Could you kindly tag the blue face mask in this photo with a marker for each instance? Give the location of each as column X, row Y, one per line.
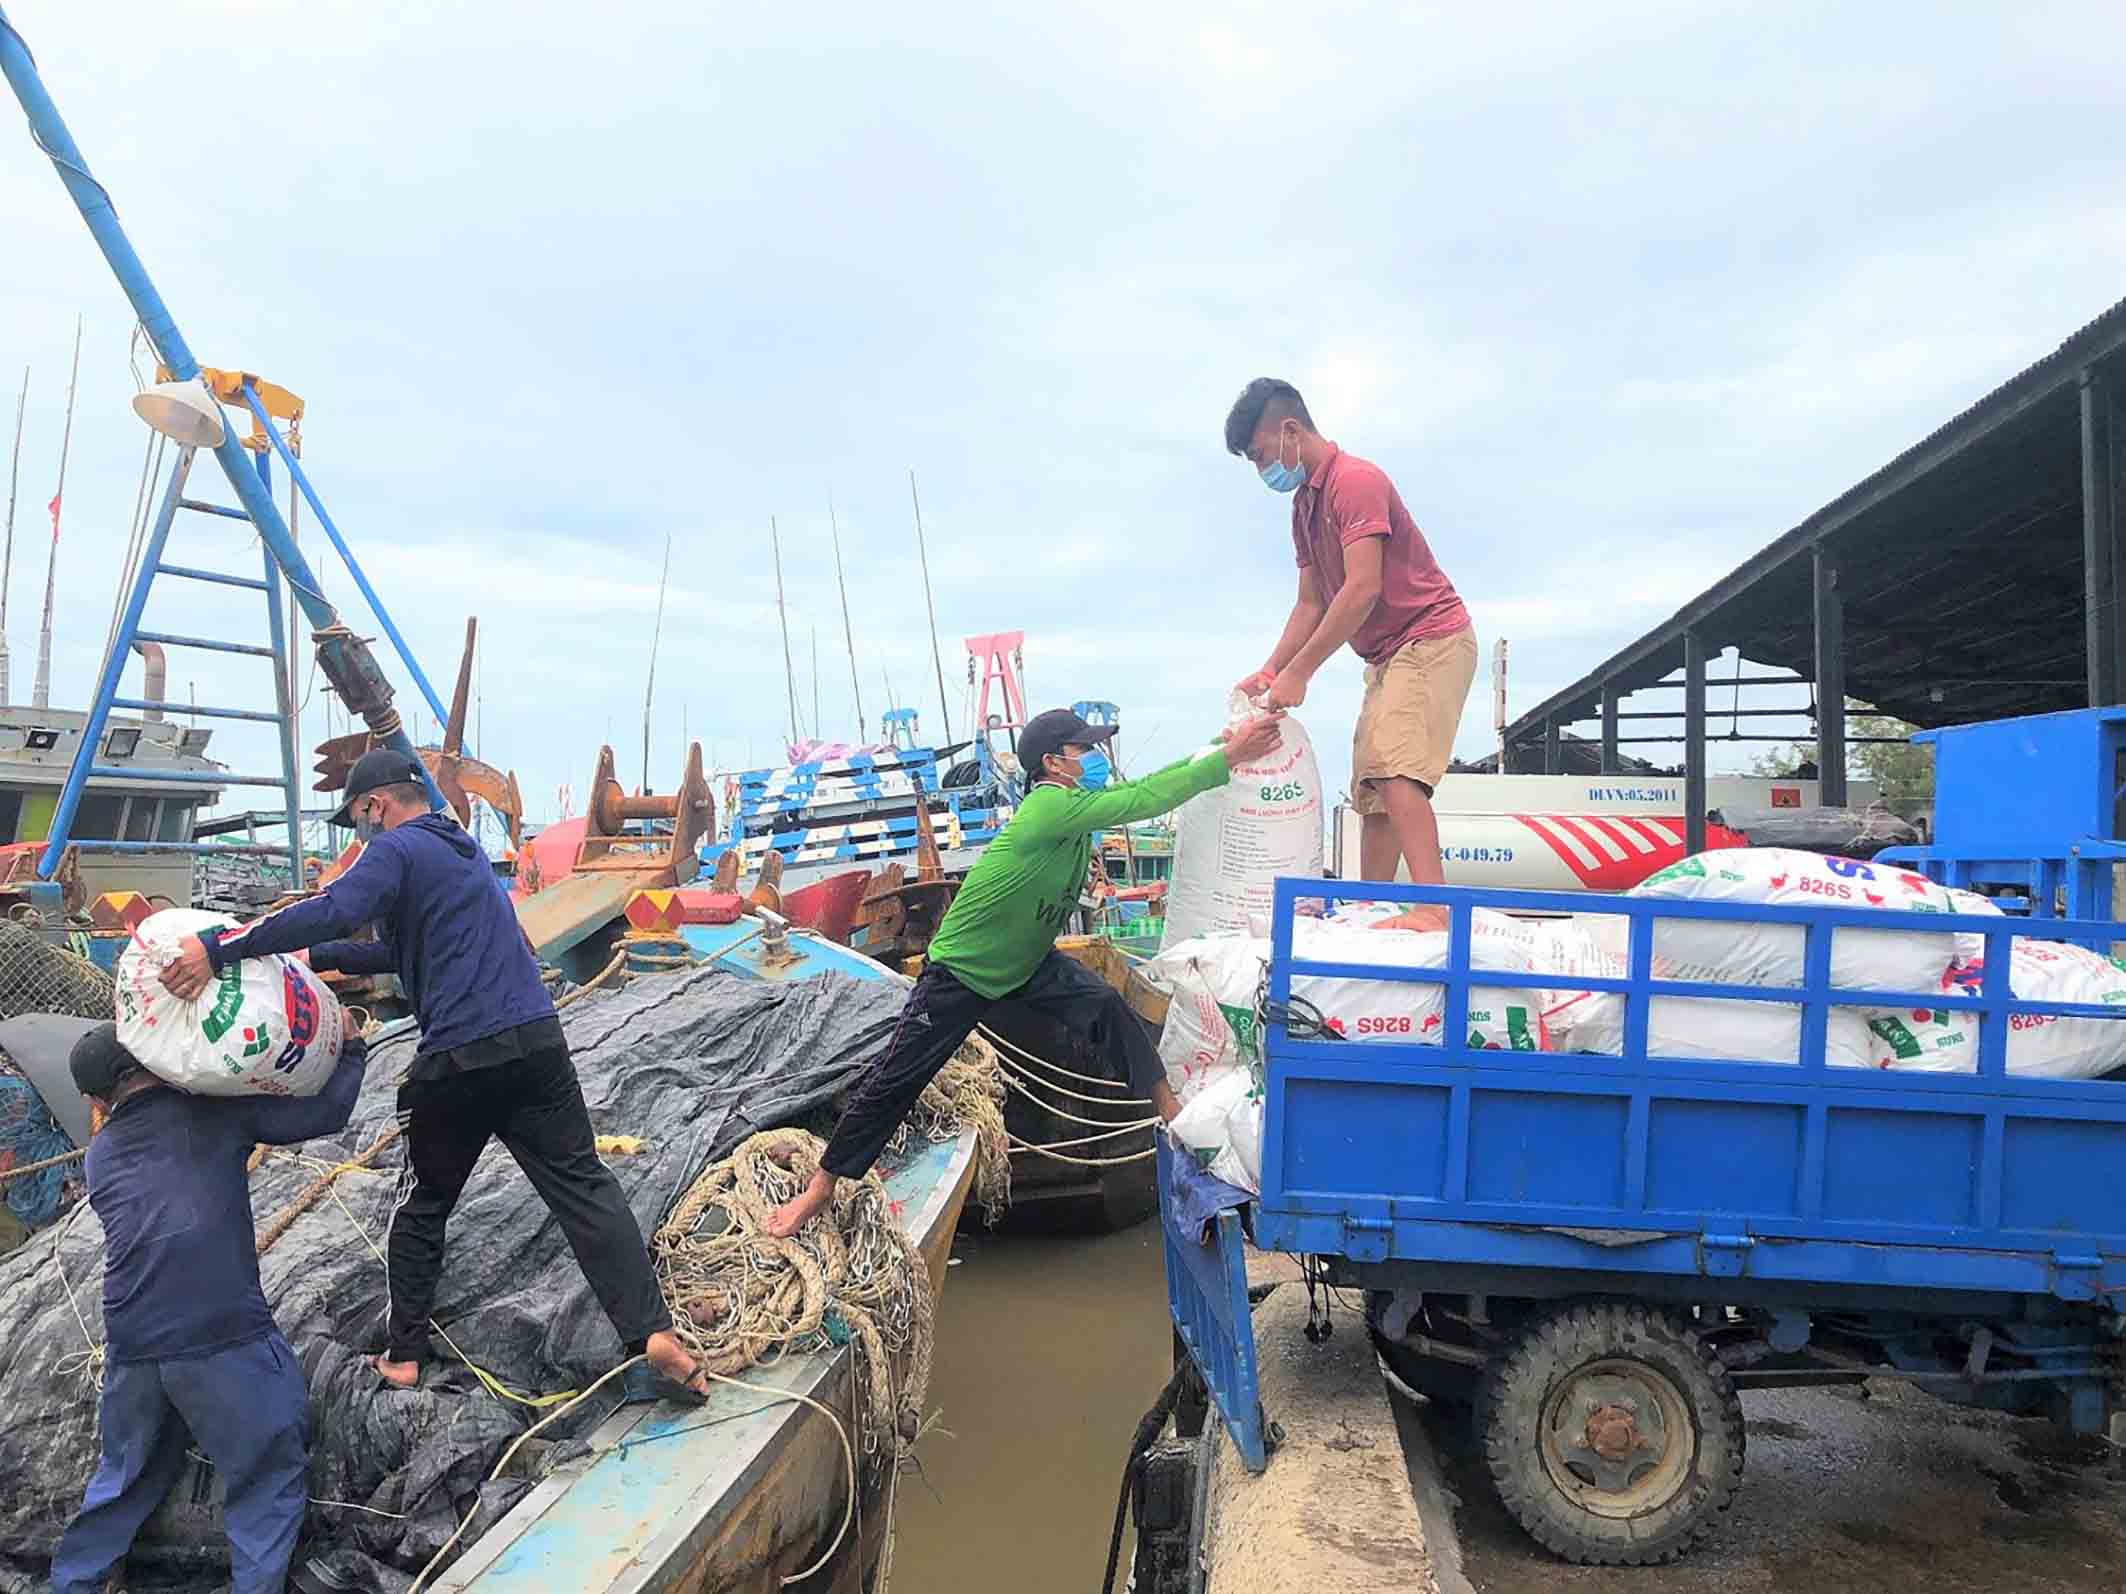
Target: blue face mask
column 1094, row 770
column 1280, row 477
column 367, row 829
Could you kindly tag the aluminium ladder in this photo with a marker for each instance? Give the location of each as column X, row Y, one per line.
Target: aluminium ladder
column 344, row 658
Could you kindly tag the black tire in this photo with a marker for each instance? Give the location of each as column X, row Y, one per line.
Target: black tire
column 1612, row 1433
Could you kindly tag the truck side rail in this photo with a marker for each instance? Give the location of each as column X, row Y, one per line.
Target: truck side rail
column 1799, row 1171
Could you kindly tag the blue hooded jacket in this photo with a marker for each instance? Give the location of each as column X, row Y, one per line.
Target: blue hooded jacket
column 443, row 927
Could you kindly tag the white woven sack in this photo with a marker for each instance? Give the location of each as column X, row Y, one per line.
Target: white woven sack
column 1712, row 1029
column 1222, row 1127
column 266, row 1026
column 1231, row 843
column 2041, row 1045
column 1768, row 954
column 1213, row 982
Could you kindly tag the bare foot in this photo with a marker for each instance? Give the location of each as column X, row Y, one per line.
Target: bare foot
column 399, row 1375
column 793, row 1215
column 668, row 1356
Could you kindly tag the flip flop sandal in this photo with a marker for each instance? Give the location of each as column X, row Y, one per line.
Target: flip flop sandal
column 642, row 1384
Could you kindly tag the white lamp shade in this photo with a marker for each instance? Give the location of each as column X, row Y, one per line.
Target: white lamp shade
column 184, row 412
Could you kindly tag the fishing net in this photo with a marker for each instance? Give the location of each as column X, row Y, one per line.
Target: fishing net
column 29, row 1135
column 693, row 1065
column 38, row 977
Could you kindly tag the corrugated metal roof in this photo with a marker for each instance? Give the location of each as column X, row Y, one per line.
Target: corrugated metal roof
column 1960, row 561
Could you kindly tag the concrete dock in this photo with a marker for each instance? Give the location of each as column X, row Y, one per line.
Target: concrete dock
column 1335, row 1512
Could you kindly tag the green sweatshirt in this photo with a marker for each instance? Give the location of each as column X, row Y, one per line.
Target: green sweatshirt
column 1021, row 891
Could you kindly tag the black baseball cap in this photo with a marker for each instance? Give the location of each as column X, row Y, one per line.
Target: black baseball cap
column 1051, row 732
column 374, row 770
column 99, row 1062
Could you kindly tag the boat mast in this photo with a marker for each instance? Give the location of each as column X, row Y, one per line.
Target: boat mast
column 41, row 693
column 789, row 670
column 7, row 564
column 649, row 691
column 936, row 657
column 848, row 635
column 817, row 722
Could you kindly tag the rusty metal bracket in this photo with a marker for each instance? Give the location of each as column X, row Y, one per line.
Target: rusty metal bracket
column 767, row 885
column 609, row 845
column 898, row 916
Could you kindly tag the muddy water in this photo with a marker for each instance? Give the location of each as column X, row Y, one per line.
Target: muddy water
column 1048, row 1351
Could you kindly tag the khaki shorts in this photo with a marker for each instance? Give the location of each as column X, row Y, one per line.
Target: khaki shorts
column 1412, row 707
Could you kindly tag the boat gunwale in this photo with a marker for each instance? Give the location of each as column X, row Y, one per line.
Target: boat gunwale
column 700, row 1515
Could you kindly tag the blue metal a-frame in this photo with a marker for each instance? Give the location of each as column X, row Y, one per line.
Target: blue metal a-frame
column 86, row 766
column 344, row 657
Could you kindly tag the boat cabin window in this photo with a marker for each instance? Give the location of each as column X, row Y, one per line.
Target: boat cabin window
column 176, row 822
column 140, row 819
column 97, row 818
column 10, row 815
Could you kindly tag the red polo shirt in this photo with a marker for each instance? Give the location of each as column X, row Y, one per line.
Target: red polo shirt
column 1349, row 498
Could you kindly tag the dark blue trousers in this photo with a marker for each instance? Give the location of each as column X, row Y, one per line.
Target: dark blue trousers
column 248, row 1410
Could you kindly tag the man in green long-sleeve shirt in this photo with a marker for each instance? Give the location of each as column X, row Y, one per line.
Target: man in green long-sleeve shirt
column 998, row 941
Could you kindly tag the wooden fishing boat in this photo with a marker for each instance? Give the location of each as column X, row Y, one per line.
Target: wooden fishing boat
column 733, row 1496
column 1067, row 1175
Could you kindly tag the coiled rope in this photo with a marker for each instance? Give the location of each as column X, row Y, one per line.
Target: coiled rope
column 969, row 1093
column 740, row 1296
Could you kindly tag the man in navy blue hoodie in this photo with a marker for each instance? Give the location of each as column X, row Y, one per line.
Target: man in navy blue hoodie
column 492, row 1059
column 189, row 1342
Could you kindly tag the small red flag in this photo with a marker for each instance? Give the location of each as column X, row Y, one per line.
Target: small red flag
column 53, row 506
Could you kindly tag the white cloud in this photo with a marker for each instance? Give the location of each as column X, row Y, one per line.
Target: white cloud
column 1617, row 294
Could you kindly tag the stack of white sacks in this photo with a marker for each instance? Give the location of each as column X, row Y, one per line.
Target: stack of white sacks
column 1214, row 1060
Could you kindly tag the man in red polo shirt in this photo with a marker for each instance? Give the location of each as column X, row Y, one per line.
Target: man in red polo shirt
column 1366, row 577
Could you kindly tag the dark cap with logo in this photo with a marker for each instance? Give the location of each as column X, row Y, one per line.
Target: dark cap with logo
column 1051, row 732
column 373, row 771
column 99, row 1062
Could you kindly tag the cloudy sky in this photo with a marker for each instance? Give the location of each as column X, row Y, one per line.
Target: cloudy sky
column 1615, row 293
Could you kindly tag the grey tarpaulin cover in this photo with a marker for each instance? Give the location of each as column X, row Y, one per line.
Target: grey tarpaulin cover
column 692, row 1063
column 1841, row 832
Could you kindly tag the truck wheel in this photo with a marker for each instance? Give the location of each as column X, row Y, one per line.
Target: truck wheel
column 1612, row 1433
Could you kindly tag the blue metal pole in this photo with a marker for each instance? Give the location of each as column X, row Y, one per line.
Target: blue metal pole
column 77, row 777
column 284, row 696
column 90, row 197
column 301, row 479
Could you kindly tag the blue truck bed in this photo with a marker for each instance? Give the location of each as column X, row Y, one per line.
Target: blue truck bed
column 1594, row 1256
column 1798, row 1173
column 1799, row 1221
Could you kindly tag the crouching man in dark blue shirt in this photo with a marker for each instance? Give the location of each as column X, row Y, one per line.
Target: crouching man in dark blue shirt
column 189, row 1342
